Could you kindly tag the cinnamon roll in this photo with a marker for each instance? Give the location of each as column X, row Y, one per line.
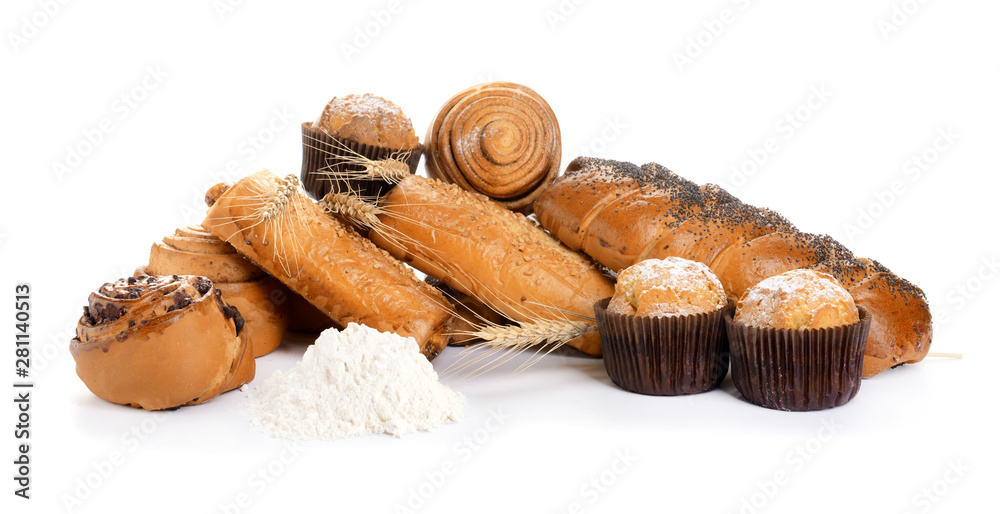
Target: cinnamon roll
column 498, row 139
column 160, row 342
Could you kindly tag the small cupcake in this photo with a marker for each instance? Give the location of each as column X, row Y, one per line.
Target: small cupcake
column 797, row 342
column 662, row 331
column 360, row 144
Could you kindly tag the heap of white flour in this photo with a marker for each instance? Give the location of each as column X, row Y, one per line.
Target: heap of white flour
column 352, row 382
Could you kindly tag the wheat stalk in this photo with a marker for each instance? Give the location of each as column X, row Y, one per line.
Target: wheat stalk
column 390, row 170
column 353, row 207
column 504, row 342
column 277, row 203
column 529, row 334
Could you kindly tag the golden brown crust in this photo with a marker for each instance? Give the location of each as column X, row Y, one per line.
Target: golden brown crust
column 743, row 266
column 743, row 245
column 488, row 252
column 797, row 299
column 568, row 205
column 370, row 120
column 614, row 210
column 343, row 274
column 160, row 343
column 260, row 298
column 703, row 236
column 901, row 329
column 498, row 139
column 470, row 314
column 193, row 251
column 667, row 287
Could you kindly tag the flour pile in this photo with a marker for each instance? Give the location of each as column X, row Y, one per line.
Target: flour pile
column 352, row 382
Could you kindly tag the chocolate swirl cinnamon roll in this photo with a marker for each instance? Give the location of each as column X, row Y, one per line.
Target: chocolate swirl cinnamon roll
column 160, row 342
column 498, row 139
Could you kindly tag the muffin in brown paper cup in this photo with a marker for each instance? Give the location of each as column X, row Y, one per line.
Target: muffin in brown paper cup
column 798, row 369
column 325, row 157
column 665, row 355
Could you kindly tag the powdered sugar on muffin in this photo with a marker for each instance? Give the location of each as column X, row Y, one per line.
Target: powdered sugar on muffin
column 667, row 287
column 797, row 299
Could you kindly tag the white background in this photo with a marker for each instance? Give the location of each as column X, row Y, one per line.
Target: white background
column 216, row 81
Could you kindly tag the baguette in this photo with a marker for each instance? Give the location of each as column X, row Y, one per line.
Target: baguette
column 497, row 256
column 345, row 276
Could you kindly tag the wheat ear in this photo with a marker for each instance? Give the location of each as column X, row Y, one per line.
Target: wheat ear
column 277, row 203
column 504, row 342
column 353, row 207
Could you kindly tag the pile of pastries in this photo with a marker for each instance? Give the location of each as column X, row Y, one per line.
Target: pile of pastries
column 666, row 279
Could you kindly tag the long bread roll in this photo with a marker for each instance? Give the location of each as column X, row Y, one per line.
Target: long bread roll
column 490, row 253
column 743, row 245
column 270, row 222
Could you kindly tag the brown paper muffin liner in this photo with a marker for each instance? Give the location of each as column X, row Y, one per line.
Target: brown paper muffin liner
column 798, row 370
column 671, row 355
column 321, row 151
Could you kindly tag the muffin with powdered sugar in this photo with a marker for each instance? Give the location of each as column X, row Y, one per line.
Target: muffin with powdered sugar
column 797, row 342
column 662, row 330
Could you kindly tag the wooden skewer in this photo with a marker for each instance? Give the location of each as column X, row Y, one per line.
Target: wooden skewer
column 946, row 355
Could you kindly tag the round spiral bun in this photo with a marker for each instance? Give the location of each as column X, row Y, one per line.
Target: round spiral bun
column 797, row 299
column 667, row 287
column 160, row 342
column 498, row 139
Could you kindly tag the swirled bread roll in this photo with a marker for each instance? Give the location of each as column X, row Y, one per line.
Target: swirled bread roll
column 497, row 139
column 160, row 342
column 262, row 300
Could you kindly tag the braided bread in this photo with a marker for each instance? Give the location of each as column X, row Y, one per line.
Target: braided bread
column 620, row 214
